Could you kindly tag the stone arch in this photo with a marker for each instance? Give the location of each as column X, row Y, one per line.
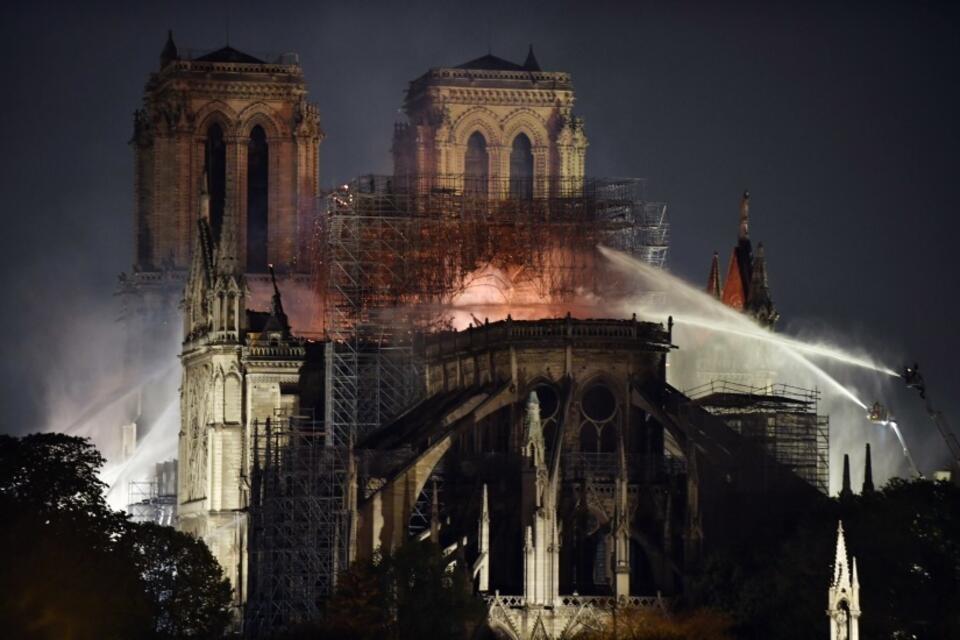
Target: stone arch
column 525, row 121
column 477, row 119
column 232, row 398
column 601, row 405
column 218, row 408
column 215, row 112
column 260, row 113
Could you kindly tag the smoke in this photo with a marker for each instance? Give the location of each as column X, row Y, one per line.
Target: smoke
column 716, row 342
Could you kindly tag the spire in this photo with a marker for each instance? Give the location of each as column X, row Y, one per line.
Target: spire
column 841, row 571
column 843, row 596
column 533, row 433
column 483, row 545
column 846, row 491
column 867, row 474
column 759, row 303
column 228, row 244
column 169, row 53
column 734, row 288
column 713, row 282
column 278, row 319
column 745, row 216
column 531, row 64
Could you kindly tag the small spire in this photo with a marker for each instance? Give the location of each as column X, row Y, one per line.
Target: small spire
column 856, row 579
column 734, row 287
column 868, row 474
column 531, row 63
column 713, row 282
column 841, row 572
column 759, row 303
column 228, row 244
column 278, row 318
column 169, row 53
column 745, row 215
column 846, row 492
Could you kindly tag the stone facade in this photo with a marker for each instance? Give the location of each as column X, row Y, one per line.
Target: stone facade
column 237, row 93
column 239, row 367
column 522, row 115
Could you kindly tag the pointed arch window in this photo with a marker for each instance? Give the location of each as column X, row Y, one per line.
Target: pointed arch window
column 258, row 178
column 476, row 165
column 215, row 166
column 521, row 168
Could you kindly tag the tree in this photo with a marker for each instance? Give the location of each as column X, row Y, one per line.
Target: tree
column 75, row 569
column 650, row 624
column 906, row 539
column 184, row 584
column 61, row 575
column 414, row 592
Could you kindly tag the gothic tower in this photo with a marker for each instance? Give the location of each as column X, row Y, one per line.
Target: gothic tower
column 240, row 369
column 238, row 131
column 508, row 129
column 247, row 123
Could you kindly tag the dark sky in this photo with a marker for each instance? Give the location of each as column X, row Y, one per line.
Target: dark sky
column 841, row 118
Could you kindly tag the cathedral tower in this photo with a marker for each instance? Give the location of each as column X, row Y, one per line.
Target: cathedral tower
column 508, row 129
column 237, row 132
column 247, row 123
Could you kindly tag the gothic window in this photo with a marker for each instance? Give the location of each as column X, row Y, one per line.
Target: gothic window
column 601, row 561
column 521, row 168
column 588, row 438
column 258, row 157
column 476, row 165
column 215, row 165
column 600, row 420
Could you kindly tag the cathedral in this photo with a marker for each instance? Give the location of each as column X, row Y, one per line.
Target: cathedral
column 334, row 406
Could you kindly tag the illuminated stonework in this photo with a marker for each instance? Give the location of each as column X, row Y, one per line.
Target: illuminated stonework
column 508, row 127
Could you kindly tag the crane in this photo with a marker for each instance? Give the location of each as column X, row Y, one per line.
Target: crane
column 914, row 380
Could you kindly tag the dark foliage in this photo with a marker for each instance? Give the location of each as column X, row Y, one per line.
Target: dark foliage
column 75, row 569
column 906, row 539
column 409, row 594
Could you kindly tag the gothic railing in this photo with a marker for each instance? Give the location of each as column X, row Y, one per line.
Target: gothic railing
column 499, row 334
column 649, row 467
column 606, row 603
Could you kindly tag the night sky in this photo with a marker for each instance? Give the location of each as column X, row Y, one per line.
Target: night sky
column 841, row 118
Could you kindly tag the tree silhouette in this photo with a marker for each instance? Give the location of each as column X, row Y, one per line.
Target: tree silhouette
column 73, row 568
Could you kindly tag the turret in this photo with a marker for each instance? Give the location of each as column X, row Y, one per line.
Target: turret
column 169, row 53
column 744, row 233
column 846, row 491
column 759, row 303
column 531, row 64
column 868, row 474
column 713, row 281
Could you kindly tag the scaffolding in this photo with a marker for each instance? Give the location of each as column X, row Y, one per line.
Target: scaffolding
column 782, row 418
column 154, row 500
column 292, row 554
column 395, row 254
